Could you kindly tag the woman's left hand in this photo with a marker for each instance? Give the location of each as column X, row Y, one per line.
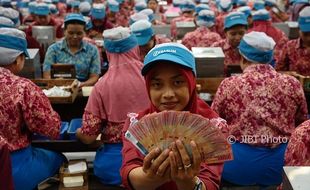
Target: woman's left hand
column 184, row 169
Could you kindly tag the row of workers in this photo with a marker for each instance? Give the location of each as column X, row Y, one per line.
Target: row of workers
column 259, row 103
column 206, row 36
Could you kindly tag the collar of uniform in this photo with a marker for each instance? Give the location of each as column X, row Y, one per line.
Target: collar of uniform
column 261, row 68
column 64, row 45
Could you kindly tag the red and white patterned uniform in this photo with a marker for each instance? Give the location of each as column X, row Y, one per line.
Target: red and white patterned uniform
column 261, row 103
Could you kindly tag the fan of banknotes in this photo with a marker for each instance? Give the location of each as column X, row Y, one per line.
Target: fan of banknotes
column 163, row 128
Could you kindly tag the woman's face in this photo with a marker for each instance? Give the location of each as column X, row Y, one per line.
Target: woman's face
column 152, row 4
column 74, row 34
column 235, row 34
column 168, row 88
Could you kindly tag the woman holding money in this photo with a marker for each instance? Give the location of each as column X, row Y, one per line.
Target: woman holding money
column 169, row 71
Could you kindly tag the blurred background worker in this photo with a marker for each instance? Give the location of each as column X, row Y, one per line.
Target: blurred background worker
column 25, row 110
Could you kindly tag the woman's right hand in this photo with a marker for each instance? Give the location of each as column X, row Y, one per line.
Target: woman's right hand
column 156, row 165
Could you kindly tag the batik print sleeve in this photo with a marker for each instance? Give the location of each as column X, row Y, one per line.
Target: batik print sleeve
column 38, row 113
column 298, row 149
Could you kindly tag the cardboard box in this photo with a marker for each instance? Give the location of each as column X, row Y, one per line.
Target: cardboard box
column 50, row 83
column 209, row 61
column 163, row 30
column 184, row 27
column 293, row 30
column 170, row 16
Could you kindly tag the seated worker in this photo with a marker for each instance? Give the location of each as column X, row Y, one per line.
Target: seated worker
column 262, row 23
column 108, row 105
column 73, row 50
column 298, row 149
column 153, row 4
column 146, row 37
column 6, row 177
column 203, row 35
column 31, row 17
column 43, row 18
column 113, row 9
column 124, row 13
column 99, row 21
column 276, row 14
column 262, row 108
column 25, row 110
column 224, row 7
column 152, row 19
column 187, row 14
column 295, row 55
column 169, row 71
column 235, row 26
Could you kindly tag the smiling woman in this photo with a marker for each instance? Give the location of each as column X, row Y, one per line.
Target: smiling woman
column 73, row 50
column 171, row 85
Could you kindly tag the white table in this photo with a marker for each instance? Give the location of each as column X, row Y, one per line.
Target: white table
column 296, row 178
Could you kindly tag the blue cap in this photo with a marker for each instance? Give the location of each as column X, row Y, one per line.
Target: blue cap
column 6, row 22
column 42, row 9
column 75, row 4
column 206, row 18
column 12, row 42
column 140, row 6
column 22, row 4
column 188, row 5
column 143, row 31
column 261, row 14
column 246, row 10
column 98, row 13
column 53, row 9
column 225, row 5
column 270, row 3
column 32, row 7
column 259, row 4
column 74, row 16
column 149, row 13
column 201, row 7
column 136, row 17
column 174, row 52
column 304, row 20
column 113, row 6
column 300, row 2
column 257, row 47
column 242, row 2
column 120, row 46
column 235, row 18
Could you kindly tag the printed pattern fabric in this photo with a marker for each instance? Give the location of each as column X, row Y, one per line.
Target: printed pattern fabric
column 201, row 37
column 232, row 55
column 111, row 132
column 294, row 57
column 298, row 149
column 24, row 109
column 261, row 104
